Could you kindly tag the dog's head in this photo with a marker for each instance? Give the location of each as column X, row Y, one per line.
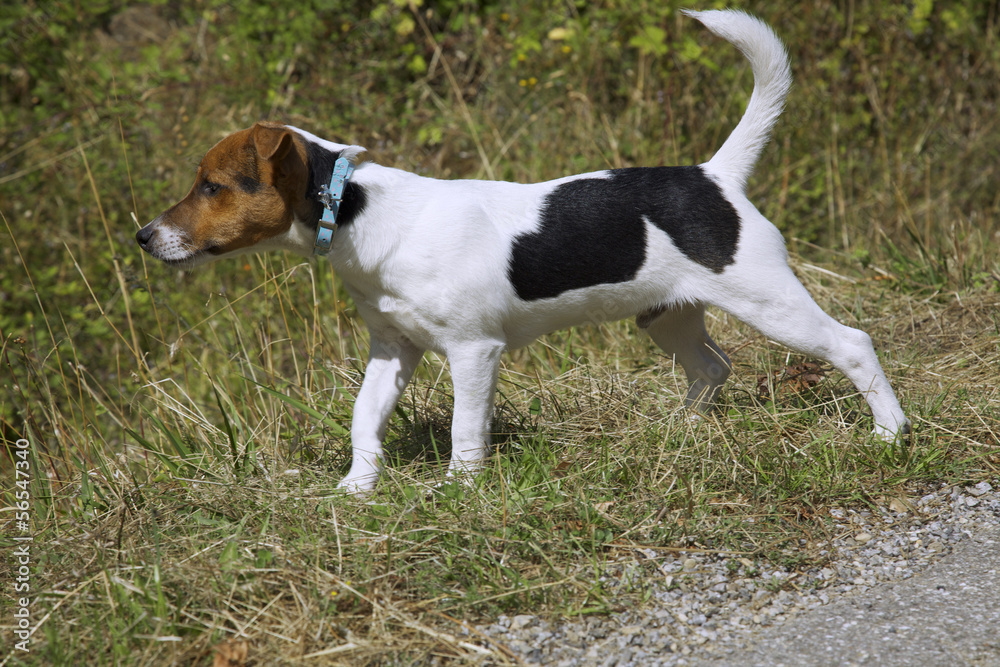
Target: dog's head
column 249, row 190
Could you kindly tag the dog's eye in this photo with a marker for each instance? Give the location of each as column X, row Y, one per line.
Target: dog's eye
column 210, row 188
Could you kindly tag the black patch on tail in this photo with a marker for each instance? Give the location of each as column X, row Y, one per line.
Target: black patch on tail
column 592, row 230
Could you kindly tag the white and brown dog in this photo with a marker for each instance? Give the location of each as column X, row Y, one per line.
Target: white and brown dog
column 471, row 268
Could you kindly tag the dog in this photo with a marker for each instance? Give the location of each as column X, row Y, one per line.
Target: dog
column 472, row 268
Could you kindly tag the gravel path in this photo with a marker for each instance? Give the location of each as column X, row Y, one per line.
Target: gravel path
column 948, row 615
column 707, row 609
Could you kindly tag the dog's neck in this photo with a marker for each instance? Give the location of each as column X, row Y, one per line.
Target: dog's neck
column 368, row 220
column 377, row 218
column 321, row 160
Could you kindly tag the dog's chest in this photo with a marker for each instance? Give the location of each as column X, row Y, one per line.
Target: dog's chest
column 384, row 312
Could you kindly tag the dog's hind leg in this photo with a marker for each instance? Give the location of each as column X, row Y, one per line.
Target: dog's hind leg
column 775, row 303
column 680, row 331
column 390, row 366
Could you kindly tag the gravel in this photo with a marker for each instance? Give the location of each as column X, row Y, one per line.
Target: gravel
column 706, row 605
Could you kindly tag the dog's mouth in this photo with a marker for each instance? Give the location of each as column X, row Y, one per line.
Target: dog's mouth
column 192, row 260
column 208, row 253
column 185, row 261
column 174, row 249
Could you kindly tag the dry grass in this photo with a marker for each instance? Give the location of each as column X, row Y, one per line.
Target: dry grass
column 594, row 461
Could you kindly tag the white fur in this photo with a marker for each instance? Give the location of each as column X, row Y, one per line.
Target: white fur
column 173, row 246
column 426, row 262
column 772, row 79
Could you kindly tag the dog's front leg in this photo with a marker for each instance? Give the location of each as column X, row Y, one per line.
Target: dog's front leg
column 392, row 360
column 474, row 370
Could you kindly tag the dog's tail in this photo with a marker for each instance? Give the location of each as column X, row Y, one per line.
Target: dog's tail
column 772, row 78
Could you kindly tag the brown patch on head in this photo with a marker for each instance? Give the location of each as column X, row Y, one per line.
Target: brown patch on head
column 248, row 189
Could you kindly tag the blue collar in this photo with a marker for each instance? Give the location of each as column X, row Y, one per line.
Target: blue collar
column 331, row 196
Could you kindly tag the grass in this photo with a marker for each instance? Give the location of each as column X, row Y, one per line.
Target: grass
column 187, row 430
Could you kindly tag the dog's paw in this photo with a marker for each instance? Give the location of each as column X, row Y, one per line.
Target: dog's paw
column 892, row 433
column 463, row 471
column 360, row 486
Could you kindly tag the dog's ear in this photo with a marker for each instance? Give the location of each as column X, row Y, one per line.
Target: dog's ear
column 276, row 146
column 272, row 141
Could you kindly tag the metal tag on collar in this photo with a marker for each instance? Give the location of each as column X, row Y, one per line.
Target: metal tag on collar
column 331, row 196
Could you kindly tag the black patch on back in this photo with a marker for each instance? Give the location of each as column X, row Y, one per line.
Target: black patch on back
column 583, row 240
column 321, row 164
column 592, row 230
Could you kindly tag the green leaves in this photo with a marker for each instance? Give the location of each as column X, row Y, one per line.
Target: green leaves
column 651, row 40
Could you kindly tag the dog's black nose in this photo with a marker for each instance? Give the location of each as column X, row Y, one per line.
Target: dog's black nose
column 144, row 236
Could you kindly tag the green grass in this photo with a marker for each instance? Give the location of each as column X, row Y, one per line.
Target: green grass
column 187, row 430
